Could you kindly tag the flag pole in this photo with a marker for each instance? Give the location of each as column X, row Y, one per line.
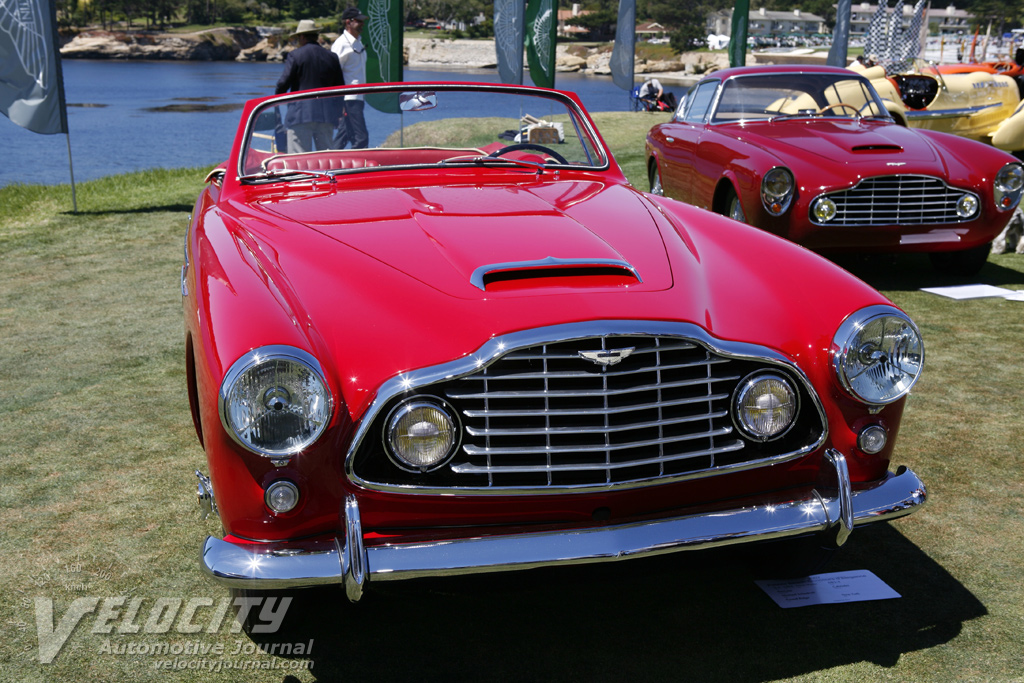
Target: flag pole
column 62, row 101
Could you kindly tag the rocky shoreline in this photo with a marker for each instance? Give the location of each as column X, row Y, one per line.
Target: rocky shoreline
column 259, row 45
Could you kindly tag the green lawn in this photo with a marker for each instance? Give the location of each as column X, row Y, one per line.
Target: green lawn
column 97, row 454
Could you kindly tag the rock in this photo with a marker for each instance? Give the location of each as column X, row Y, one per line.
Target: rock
column 598, row 63
column 214, row 44
column 460, row 53
column 567, row 63
column 1011, row 239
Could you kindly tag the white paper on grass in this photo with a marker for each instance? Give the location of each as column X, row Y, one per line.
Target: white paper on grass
column 827, row 589
column 972, row 292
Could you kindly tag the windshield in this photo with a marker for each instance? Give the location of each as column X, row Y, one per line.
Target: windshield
column 416, row 125
column 769, row 96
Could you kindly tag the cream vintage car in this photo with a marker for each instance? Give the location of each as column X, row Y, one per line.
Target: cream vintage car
column 978, row 105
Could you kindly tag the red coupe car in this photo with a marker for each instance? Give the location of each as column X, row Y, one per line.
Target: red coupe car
column 809, row 153
column 475, row 347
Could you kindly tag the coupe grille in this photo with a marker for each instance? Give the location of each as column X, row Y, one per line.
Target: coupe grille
column 546, row 417
column 896, row 200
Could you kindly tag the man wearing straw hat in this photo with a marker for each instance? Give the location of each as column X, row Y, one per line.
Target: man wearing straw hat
column 310, row 122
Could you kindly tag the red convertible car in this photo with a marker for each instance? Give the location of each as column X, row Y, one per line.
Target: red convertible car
column 474, row 346
column 809, row 153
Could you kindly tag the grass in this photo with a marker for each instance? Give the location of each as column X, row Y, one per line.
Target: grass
column 98, row 451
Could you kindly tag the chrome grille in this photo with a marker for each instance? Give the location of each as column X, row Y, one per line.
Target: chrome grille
column 541, row 413
column 896, row 200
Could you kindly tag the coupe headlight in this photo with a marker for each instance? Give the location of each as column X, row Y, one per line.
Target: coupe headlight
column 765, row 405
column 878, row 354
column 1008, row 186
column 422, row 433
column 777, row 190
column 274, row 401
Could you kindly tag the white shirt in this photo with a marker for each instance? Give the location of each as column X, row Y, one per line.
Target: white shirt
column 352, row 56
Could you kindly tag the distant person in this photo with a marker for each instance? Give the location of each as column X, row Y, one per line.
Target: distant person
column 655, row 97
column 352, row 57
column 309, row 123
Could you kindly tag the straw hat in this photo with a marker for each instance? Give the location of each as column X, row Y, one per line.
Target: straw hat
column 306, row 26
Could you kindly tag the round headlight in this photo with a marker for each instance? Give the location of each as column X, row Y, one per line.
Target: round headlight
column 281, row 496
column 777, row 190
column 967, row 206
column 422, row 434
column 824, row 209
column 878, row 355
column 766, row 405
column 872, row 439
column 1008, row 186
column 274, row 401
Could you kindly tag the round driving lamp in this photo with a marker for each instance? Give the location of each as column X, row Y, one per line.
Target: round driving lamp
column 1008, row 186
column 274, row 401
column 872, row 439
column 967, row 206
column 765, row 406
column 824, row 209
column 422, row 434
column 281, row 496
column 777, row 190
column 878, row 355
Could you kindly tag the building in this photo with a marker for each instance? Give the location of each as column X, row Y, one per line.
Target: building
column 762, row 23
column 941, row 21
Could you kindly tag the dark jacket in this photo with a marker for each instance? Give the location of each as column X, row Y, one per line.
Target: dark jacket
column 311, row 66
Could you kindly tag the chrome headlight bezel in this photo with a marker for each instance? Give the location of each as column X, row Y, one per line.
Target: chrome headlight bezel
column 1008, row 186
column 777, row 186
column 869, row 339
column 309, row 402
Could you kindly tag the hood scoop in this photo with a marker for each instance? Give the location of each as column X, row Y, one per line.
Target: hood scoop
column 555, row 272
column 883, row 148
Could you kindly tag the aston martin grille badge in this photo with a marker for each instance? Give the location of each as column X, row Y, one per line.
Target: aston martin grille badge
column 607, row 357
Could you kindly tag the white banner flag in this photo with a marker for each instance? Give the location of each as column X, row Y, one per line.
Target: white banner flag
column 31, row 86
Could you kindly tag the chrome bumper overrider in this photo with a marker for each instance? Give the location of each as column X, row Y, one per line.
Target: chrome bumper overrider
column 832, row 510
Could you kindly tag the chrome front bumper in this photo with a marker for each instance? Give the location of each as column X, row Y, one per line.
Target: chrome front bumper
column 832, row 510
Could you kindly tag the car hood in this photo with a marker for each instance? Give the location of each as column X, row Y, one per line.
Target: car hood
column 454, row 238
column 824, row 143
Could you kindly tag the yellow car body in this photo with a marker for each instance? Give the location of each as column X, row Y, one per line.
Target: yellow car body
column 977, row 105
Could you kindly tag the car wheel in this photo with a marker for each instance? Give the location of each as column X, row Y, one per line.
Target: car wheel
column 963, row 263
column 733, row 209
column 654, row 175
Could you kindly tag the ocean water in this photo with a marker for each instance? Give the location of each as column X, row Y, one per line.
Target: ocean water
column 134, row 115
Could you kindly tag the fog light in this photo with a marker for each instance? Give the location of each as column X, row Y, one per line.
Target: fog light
column 765, row 406
column 282, row 496
column 824, row 210
column 872, row 439
column 422, row 434
column 967, row 206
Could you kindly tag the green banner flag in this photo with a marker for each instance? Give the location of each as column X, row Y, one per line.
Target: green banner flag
column 541, row 25
column 382, row 37
column 738, row 37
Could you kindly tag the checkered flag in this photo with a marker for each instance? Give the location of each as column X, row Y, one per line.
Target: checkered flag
column 876, row 44
column 911, row 46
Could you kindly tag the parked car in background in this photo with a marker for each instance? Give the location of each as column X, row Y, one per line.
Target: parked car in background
column 811, row 154
column 475, row 347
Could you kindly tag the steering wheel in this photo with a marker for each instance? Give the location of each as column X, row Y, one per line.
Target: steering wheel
column 840, row 105
column 529, row 145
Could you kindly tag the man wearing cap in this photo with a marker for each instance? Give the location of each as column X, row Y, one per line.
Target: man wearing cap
column 309, row 122
column 352, row 57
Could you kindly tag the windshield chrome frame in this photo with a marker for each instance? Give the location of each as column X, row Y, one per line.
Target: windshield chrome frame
column 579, row 118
